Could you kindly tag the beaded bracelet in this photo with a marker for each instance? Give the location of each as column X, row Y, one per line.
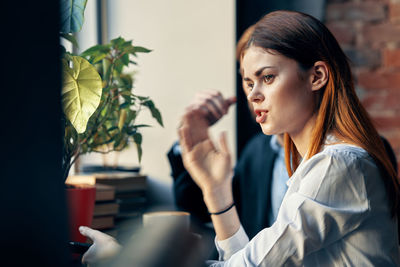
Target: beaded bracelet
column 222, row 211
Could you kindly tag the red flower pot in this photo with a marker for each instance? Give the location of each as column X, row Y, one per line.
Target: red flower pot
column 80, row 200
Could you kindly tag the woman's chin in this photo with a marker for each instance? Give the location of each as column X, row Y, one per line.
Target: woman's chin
column 267, row 130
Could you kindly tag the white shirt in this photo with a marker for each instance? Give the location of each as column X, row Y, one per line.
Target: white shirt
column 335, row 213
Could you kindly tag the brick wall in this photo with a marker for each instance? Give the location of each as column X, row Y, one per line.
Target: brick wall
column 369, row 33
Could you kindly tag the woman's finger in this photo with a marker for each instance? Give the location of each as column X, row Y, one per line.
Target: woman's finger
column 212, row 104
column 88, row 232
column 224, row 144
column 229, row 101
column 184, row 138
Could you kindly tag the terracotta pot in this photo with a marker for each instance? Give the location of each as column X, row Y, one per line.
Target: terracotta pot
column 80, row 200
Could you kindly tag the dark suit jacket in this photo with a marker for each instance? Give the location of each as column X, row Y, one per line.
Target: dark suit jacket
column 251, row 186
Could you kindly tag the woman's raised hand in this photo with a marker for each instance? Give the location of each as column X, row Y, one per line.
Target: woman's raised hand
column 209, row 166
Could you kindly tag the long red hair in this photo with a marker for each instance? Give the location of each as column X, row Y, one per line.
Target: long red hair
column 305, row 39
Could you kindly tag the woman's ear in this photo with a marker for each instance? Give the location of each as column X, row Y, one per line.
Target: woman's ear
column 319, row 75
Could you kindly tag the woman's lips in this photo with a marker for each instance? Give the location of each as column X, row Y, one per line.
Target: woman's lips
column 261, row 115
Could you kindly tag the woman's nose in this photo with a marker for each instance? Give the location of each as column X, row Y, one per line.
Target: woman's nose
column 255, row 95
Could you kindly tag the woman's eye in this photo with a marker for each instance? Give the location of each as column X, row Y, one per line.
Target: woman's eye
column 250, row 86
column 268, row 78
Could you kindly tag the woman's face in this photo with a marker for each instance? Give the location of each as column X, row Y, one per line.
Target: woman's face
column 280, row 92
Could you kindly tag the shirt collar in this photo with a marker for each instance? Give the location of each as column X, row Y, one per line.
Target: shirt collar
column 274, row 143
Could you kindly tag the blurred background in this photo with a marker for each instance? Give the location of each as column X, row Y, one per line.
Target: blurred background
column 193, row 45
column 193, row 48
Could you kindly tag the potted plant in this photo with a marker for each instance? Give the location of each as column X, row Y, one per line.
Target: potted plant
column 99, row 106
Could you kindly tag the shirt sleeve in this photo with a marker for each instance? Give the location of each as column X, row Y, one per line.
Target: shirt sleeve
column 327, row 201
column 227, row 247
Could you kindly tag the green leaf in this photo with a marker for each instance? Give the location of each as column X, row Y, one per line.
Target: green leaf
column 106, row 69
column 125, row 59
column 112, row 129
column 81, row 92
column 122, row 119
column 142, row 125
column 137, row 138
column 131, row 115
column 117, row 42
column 125, row 93
column 143, row 98
column 155, row 113
column 72, row 14
column 84, row 148
column 98, row 58
column 96, row 50
column 118, row 66
column 117, row 141
column 137, row 49
column 126, row 46
column 70, row 38
column 140, row 49
column 96, row 53
column 131, row 130
column 124, row 105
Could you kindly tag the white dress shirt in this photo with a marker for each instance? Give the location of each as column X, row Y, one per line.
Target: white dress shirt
column 335, row 213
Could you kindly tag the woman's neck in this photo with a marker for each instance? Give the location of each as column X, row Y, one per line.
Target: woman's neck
column 303, row 137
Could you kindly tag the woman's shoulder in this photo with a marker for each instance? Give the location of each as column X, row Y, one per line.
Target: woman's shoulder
column 339, row 149
column 345, row 151
column 340, row 158
column 339, row 171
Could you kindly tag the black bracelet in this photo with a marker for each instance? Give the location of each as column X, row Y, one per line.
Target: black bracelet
column 222, row 211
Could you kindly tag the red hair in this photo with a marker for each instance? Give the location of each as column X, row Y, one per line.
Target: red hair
column 305, row 39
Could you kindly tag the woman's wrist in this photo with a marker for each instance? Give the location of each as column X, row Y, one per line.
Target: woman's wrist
column 222, row 211
column 218, row 198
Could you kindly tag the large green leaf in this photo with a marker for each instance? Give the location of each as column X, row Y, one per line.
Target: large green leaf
column 72, row 15
column 81, row 92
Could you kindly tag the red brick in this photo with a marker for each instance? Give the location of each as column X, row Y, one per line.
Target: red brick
column 394, row 12
column 393, row 137
column 380, row 79
column 343, row 32
column 382, row 1
column 392, row 99
column 381, row 33
column 391, row 57
column 382, row 103
column 394, row 140
column 374, row 99
column 387, row 122
column 367, row 11
column 363, row 57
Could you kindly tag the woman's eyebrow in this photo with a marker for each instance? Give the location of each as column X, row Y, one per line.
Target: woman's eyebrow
column 260, row 70
column 257, row 72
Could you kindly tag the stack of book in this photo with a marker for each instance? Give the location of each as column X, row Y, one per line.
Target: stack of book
column 105, row 208
column 130, row 191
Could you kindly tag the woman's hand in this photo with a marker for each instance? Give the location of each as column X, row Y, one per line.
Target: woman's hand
column 212, row 105
column 104, row 246
column 209, row 166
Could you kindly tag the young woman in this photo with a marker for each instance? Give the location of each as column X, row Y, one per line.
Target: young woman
column 341, row 207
